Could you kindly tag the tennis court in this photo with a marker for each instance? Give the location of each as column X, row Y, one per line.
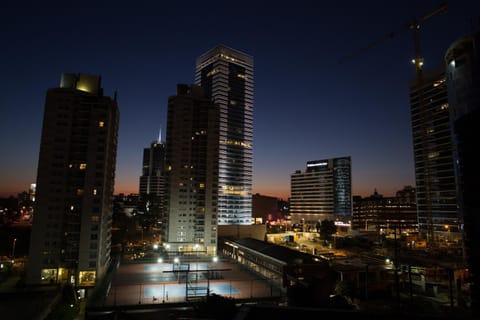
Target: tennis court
column 170, row 282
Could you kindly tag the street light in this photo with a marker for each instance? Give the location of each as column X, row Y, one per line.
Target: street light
column 13, row 250
column 176, row 261
column 447, row 228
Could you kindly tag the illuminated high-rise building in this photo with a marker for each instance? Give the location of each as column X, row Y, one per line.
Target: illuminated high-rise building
column 323, row 191
column 192, row 171
column 71, row 231
column 226, row 76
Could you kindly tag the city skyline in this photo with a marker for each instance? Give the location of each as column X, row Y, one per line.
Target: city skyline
column 307, row 105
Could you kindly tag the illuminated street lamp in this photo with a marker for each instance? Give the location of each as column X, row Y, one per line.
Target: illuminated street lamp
column 447, row 228
column 13, row 250
column 176, row 261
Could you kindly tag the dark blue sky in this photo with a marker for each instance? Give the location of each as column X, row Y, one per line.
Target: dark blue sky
column 308, row 106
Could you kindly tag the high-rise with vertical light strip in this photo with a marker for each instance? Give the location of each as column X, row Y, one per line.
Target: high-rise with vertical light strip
column 226, row 76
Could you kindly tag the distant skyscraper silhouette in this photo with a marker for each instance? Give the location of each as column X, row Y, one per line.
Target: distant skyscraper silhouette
column 227, row 78
column 71, row 232
column 152, row 179
column 192, row 171
column 152, row 182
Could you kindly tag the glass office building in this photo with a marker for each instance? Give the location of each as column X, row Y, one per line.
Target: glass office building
column 433, row 158
column 226, row 76
column 322, row 191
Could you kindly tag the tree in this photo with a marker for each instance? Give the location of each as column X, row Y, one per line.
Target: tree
column 216, row 307
column 327, row 228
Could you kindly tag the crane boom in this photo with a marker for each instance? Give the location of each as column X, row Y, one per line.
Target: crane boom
column 414, row 25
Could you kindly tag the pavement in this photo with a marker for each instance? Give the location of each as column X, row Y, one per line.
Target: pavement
column 21, row 304
column 10, row 284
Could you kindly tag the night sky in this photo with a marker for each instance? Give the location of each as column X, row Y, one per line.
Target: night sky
column 308, row 105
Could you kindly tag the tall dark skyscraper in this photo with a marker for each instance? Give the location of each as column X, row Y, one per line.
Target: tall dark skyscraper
column 152, row 182
column 463, row 81
column 192, row 171
column 227, row 78
column 433, row 158
column 152, row 179
column 323, row 191
column 71, row 231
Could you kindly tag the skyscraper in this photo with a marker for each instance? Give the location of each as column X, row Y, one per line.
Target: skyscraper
column 152, row 183
column 433, row 158
column 152, row 179
column 192, row 162
column 226, row 76
column 323, row 191
column 463, row 80
column 71, row 231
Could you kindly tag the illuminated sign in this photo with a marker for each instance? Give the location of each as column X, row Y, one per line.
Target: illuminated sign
column 317, row 164
column 341, row 224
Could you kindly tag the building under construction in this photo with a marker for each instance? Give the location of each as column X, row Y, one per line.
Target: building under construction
column 433, row 159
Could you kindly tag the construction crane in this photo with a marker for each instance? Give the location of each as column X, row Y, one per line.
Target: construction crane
column 414, row 25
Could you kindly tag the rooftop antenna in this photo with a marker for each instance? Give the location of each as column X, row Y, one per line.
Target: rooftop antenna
column 160, row 135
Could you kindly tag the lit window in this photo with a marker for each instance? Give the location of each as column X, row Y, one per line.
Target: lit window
column 101, row 124
column 87, row 278
column 79, row 192
column 439, row 82
column 48, row 275
column 433, row 155
column 212, row 72
column 202, row 185
column 83, row 166
column 94, row 192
